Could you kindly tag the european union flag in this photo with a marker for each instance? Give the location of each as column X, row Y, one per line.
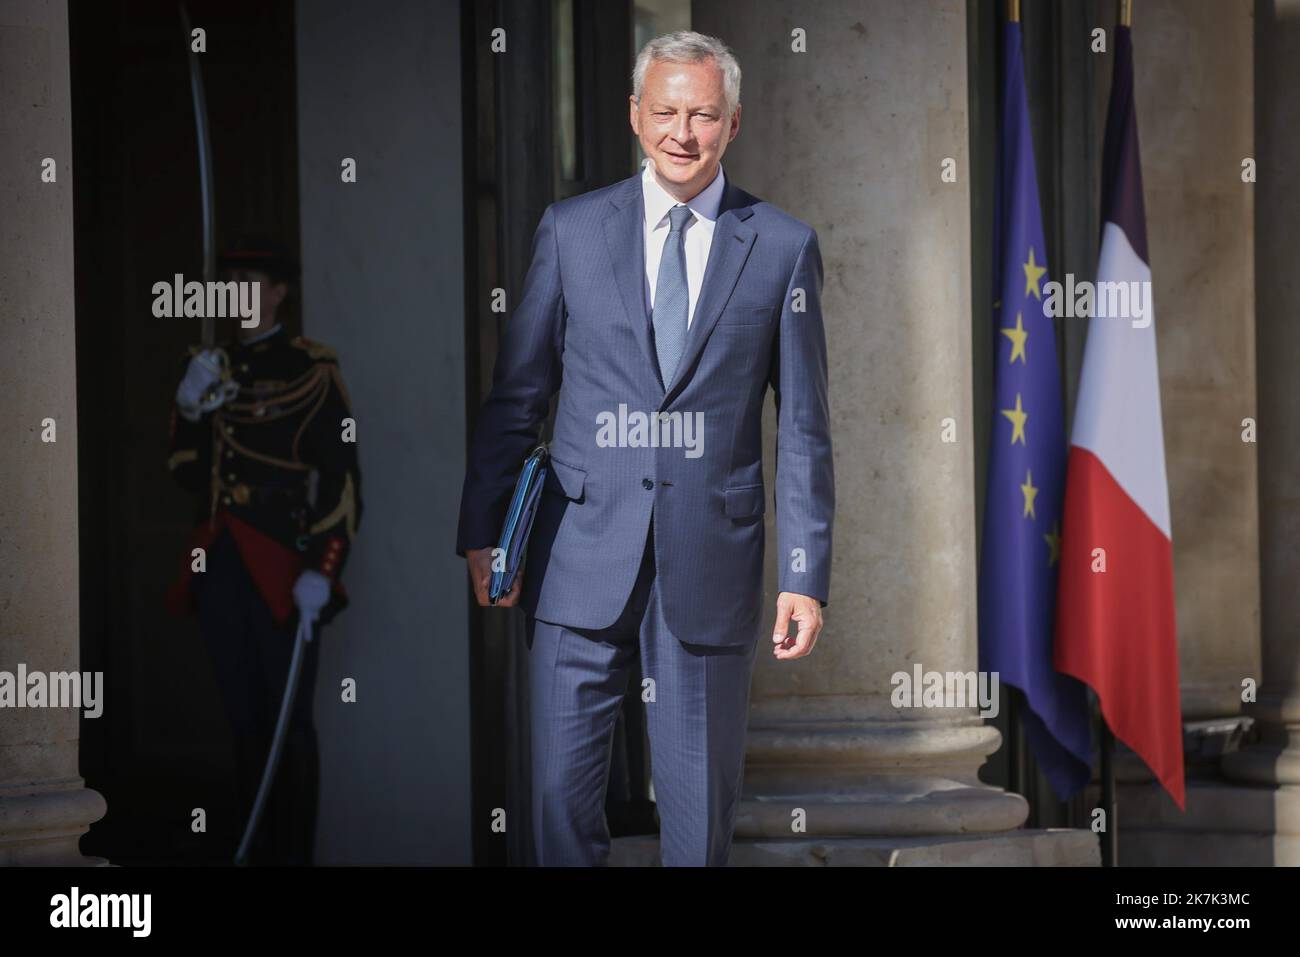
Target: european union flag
column 1026, row 477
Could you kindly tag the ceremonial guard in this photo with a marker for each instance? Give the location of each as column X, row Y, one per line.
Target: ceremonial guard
column 262, row 434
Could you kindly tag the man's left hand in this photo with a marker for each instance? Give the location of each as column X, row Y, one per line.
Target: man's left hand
column 311, row 593
column 806, row 613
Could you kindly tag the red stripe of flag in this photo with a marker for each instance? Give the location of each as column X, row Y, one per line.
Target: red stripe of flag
column 1112, row 625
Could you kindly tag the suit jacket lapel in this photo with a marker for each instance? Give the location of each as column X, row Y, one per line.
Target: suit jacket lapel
column 733, row 238
column 625, row 236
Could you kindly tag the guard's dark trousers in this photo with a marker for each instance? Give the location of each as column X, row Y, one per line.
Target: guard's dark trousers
column 250, row 657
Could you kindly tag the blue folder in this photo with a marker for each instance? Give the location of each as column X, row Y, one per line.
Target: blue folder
column 519, row 521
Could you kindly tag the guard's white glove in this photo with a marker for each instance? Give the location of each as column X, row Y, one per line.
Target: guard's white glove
column 311, row 593
column 203, row 372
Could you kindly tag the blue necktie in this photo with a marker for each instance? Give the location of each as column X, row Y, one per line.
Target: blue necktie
column 672, row 299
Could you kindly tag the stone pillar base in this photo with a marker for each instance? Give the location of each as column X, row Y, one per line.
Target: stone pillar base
column 43, row 829
column 1225, row 825
column 1274, row 759
column 1268, row 765
column 946, row 807
column 850, row 776
column 1056, row 847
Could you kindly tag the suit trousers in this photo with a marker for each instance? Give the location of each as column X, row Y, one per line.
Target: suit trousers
column 250, row 656
column 697, row 708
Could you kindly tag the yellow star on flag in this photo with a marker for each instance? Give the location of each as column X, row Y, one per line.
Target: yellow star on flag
column 1018, row 416
column 1018, row 336
column 1033, row 273
column 1053, row 539
column 1030, row 493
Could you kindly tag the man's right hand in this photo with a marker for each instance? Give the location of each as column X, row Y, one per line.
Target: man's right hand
column 480, row 574
column 203, row 371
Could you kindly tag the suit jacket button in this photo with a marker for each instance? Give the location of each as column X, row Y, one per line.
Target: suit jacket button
column 647, row 484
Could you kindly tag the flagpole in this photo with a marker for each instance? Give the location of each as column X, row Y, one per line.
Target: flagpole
column 1017, row 778
column 1110, row 836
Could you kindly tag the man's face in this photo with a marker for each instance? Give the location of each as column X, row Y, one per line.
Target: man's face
column 682, row 123
column 270, row 295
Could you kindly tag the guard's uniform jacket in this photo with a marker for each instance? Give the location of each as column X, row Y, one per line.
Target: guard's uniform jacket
column 251, row 463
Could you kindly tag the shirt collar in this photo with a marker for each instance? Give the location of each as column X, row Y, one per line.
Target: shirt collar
column 261, row 337
column 704, row 204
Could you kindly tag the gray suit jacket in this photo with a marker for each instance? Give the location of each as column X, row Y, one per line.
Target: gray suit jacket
column 583, row 328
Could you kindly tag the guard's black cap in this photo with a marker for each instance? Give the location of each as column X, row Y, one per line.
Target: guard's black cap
column 261, row 253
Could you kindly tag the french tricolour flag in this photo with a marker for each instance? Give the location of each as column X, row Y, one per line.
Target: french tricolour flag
column 1115, row 601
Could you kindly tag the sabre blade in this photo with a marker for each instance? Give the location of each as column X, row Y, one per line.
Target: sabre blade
column 207, row 194
column 300, row 641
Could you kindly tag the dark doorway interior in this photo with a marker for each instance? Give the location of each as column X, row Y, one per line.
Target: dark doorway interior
column 160, row 749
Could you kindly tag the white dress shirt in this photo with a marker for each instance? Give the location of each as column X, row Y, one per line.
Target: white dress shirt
column 698, row 230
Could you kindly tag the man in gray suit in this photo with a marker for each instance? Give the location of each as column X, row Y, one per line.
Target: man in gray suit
column 660, row 308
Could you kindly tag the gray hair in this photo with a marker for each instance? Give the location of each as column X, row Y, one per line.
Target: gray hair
column 687, row 46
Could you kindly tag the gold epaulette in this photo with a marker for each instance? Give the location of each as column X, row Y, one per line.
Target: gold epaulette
column 314, row 349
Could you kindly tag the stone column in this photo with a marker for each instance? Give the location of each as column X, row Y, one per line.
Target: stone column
column 1220, row 250
column 44, row 807
column 1274, row 763
column 851, row 137
column 1196, row 128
